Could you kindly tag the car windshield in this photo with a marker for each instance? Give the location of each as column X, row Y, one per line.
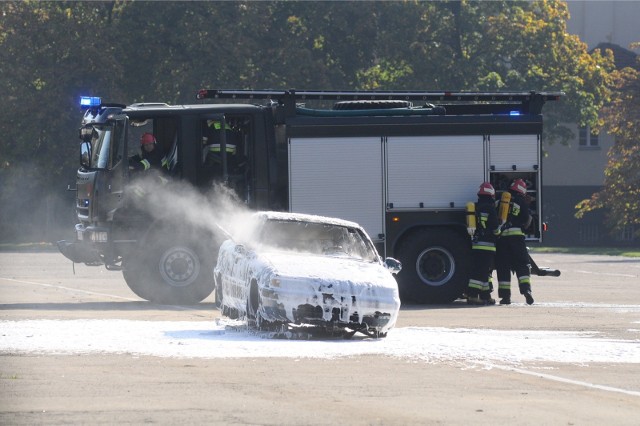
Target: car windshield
column 317, row 238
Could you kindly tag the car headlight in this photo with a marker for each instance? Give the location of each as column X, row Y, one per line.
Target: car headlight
column 275, row 282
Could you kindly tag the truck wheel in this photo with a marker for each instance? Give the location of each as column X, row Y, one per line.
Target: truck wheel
column 435, row 266
column 173, row 272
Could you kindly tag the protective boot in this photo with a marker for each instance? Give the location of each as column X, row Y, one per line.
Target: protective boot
column 504, row 291
column 476, row 301
column 486, row 297
column 528, row 297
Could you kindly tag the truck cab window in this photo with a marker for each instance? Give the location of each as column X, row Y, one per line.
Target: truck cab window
column 165, row 133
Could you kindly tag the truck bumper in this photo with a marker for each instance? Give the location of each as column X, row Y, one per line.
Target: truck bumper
column 83, row 249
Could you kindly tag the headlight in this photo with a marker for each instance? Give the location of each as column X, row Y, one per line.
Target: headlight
column 275, row 282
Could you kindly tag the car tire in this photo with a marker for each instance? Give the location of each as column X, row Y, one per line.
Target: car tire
column 253, row 306
column 218, row 292
column 254, row 317
column 435, row 266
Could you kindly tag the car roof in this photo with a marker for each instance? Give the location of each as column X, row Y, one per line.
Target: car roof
column 303, row 217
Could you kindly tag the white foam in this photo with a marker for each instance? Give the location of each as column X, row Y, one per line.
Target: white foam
column 227, row 339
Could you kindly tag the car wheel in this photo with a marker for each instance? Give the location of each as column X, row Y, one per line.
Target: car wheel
column 254, row 317
column 253, row 306
column 218, row 292
column 435, row 266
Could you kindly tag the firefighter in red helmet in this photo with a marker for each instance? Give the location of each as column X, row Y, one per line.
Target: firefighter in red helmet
column 483, row 247
column 512, row 254
column 150, row 157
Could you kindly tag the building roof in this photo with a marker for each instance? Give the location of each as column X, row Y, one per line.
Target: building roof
column 622, row 57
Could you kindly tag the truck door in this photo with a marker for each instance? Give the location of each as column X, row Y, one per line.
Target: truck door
column 101, row 177
column 339, row 177
column 119, row 166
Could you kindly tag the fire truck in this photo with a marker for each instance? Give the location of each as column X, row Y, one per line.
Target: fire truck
column 402, row 164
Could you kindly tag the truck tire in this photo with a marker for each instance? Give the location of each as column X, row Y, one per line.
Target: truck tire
column 435, row 265
column 347, row 105
column 171, row 271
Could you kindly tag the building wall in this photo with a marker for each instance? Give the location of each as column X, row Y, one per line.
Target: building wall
column 596, row 22
column 574, row 165
column 572, row 173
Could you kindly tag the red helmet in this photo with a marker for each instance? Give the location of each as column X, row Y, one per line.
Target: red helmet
column 520, row 186
column 487, row 189
column 147, row 138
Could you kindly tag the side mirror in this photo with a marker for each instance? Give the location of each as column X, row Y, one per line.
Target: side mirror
column 85, row 154
column 394, row 266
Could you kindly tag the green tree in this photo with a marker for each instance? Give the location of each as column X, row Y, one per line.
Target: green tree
column 496, row 46
column 49, row 55
column 51, row 52
column 620, row 195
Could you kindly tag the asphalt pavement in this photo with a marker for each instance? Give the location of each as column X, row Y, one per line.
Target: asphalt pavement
column 78, row 347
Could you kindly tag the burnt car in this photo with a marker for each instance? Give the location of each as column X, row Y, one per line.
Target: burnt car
column 297, row 270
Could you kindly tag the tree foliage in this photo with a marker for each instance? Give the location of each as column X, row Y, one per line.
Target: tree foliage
column 51, row 52
column 620, row 195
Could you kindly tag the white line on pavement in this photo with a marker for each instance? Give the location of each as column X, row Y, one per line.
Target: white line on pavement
column 93, row 293
column 564, row 379
column 606, row 273
column 70, row 289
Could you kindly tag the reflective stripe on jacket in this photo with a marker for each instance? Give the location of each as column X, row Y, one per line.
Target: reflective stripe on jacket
column 230, row 148
column 512, row 231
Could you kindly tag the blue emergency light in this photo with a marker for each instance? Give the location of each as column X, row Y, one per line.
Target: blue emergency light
column 514, row 112
column 90, row 102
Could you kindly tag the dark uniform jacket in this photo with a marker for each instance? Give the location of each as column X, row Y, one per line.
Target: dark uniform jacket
column 519, row 217
column 148, row 160
column 487, row 226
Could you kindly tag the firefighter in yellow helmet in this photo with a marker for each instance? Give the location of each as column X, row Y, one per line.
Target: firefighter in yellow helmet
column 512, row 254
column 483, row 248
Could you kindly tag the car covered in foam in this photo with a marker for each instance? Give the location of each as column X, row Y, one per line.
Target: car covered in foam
column 308, row 271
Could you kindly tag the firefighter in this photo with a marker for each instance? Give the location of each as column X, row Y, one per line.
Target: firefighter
column 483, row 248
column 150, row 157
column 213, row 159
column 212, row 154
column 512, row 254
